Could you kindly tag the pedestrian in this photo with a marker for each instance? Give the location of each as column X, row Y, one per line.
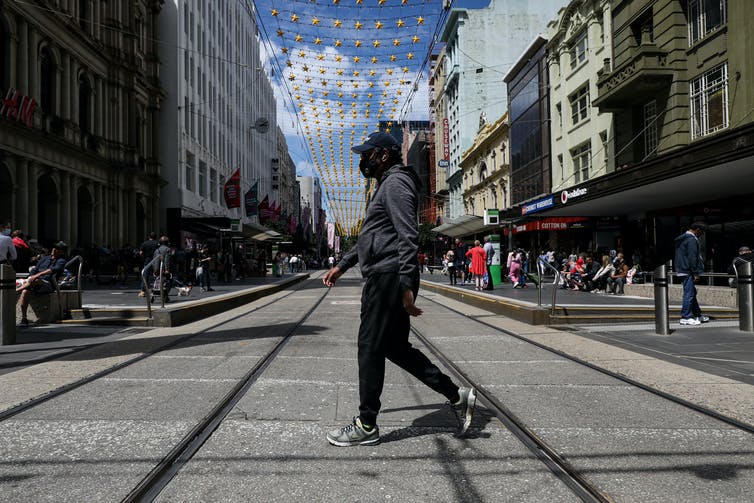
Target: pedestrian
column 689, row 264
column 387, row 252
column 23, row 252
column 8, row 253
column 489, row 251
column 147, row 250
column 450, row 258
column 478, row 264
column 204, row 270
column 460, row 253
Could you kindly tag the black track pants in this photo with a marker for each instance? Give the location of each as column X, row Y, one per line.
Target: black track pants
column 383, row 333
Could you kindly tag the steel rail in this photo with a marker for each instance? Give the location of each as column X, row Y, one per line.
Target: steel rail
column 562, row 469
column 164, row 472
column 22, row 407
column 749, row 428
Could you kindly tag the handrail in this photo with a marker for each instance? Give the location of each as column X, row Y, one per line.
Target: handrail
column 68, row 264
column 554, row 284
column 147, row 288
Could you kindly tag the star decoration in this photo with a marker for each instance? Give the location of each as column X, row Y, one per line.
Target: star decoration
column 396, row 42
column 294, row 18
column 378, row 25
column 414, row 39
column 376, row 43
column 400, row 23
column 358, row 25
column 299, row 38
column 419, row 20
column 275, row 12
column 337, row 23
column 357, row 43
column 315, row 21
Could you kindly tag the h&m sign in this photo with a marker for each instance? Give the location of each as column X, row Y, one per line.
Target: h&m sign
column 18, row 107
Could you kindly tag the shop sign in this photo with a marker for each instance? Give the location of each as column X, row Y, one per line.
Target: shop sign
column 443, row 163
column 235, row 225
column 539, row 205
column 18, row 107
column 567, row 195
column 491, row 217
column 445, row 139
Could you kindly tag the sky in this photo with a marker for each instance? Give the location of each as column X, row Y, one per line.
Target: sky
column 339, row 69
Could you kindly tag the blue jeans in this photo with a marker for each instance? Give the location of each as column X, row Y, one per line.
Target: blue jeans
column 690, row 307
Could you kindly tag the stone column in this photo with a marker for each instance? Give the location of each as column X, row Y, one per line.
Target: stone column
column 21, row 218
column 99, row 128
column 33, row 63
column 12, row 67
column 73, row 211
column 66, row 202
column 23, row 57
column 65, row 100
column 33, row 210
column 101, row 233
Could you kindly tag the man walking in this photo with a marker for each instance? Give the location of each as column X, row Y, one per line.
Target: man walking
column 689, row 265
column 489, row 251
column 387, row 251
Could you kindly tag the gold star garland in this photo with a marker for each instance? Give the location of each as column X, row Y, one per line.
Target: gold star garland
column 349, row 65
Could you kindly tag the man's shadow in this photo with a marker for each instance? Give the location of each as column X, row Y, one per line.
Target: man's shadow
column 438, row 419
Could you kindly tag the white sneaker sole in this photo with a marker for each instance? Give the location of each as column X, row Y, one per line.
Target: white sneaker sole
column 373, row 441
column 470, row 404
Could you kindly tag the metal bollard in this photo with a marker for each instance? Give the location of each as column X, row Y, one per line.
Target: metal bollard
column 662, row 323
column 7, row 305
column 745, row 296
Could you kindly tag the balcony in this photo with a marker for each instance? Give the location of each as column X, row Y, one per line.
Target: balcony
column 636, row 81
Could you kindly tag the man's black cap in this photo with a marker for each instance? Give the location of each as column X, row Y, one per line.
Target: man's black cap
column 377, row 139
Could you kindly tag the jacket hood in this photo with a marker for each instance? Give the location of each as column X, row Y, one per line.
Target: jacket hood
column 683, row 237
column 404, row 169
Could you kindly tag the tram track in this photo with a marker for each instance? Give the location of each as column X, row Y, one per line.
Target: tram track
column 564, row 471
column 57, row 392
column 749, row 428
column 164, row 472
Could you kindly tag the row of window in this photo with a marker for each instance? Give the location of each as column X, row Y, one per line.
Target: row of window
column 197, row 180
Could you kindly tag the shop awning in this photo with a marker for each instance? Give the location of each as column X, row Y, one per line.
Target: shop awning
column 461, row 226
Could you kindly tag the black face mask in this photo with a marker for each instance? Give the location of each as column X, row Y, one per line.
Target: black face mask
column 368, row 167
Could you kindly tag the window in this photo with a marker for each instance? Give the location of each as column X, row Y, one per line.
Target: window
column 84, row 14
column 202, row 179
column 213, row 184
column 221, row 187
column 189, row 171
column 559, row 109
column 84, row 100
column 47, row 83
column 579, row 104
column 582, row 158
column 579, row 50
column 650, row 129
column 709, row 102
column 560, row 167
column 704, row 17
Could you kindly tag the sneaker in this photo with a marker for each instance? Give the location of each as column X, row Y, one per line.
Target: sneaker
column 703, row 318
column 690, row 321
column 210, row 289
column 354, row 434
column 464, row 408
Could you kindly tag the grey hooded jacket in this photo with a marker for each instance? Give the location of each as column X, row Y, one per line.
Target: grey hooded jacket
column 389, row 237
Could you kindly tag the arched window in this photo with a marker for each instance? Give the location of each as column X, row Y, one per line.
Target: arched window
column 4, row 57
column 85, row 94
column 47, row 81
column 482, row 172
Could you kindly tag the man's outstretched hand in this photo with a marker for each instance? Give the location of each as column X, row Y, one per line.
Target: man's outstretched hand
column 332, row 276
column 408, row 304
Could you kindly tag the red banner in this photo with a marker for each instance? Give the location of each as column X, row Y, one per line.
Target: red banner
column 233, row 190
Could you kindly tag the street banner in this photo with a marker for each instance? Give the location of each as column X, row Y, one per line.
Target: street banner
column 330, row 235
column 233, row 190
column 264, row 210
column 251, row 200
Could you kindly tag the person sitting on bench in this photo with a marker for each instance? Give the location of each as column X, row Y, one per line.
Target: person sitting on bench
column 41, row 277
